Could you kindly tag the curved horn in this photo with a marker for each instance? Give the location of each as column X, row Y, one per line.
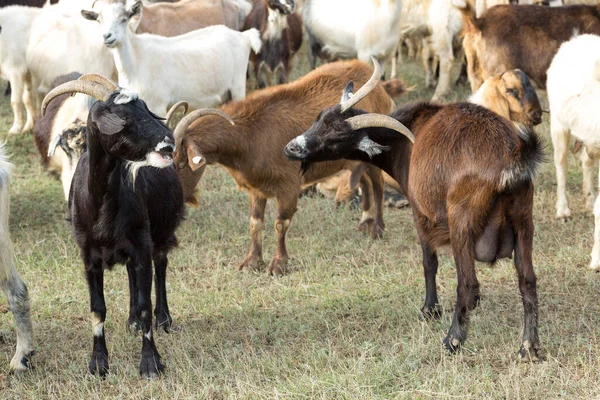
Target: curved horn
column 93, row 89
column 380, row 121
column 174, row 108
column 101, row 80
column 365, row 89
column 186, row 121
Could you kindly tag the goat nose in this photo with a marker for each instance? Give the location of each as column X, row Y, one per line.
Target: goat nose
column 107, row 36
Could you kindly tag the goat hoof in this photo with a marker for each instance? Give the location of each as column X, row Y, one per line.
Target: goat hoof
column 451, row 344
column 277, row 267
column 365, row 226
column 431, row 313
column 377, row 231
column 98, row 364
column 165, row 323
column 15, row 130
column 133, row 325
column 251, row 264
column 528, row 353
column 150, row 366
column 20, row 364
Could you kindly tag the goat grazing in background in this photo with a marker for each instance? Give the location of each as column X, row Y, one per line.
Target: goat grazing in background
column 281, row 33
column 60, row 134
column 468, row 175
column 574, row 95
column 252, row 151
column 203, row 67
column 123, row 212
column 12, row 285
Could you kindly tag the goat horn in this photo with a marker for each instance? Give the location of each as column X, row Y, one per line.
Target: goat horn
column 365, row 89
column 380, row 121
column 174, row 108
column 101, row 80
column 186, row 121
column 93, row 89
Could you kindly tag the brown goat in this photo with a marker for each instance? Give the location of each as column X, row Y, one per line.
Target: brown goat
column 281, row 32
column 518, row 36
column 173, row 19
column 252, row 150
column 469, row 180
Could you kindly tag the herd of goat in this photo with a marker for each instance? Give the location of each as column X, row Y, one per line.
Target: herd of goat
column 105, row 74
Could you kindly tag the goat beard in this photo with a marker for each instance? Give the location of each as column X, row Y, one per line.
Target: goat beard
column 304, row 166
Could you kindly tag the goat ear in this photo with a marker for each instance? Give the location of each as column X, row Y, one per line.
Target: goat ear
column 108, row 123
column 92, row 16
column 370, row 147
column 195, row 159
column 347, row 92
column 136, row 9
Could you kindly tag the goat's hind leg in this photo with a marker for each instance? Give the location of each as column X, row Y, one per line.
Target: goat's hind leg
column 523, row 227
column 587, row 167
column 560, row 142
column 595, row 263
column 161, row 310
column 286, row 208
column 18, row 302
column 133, row 323
column 95, row 278
column 254, row 259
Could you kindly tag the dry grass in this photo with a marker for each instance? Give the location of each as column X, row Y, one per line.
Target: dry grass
column 343, row 323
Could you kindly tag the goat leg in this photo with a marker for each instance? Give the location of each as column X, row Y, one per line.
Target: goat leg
column 99, row 361
column 378, row 192
column 133, row 323
column 286, row 207
column 254, row 259
column 150, row 364
column 431, row 309
column 164, row 320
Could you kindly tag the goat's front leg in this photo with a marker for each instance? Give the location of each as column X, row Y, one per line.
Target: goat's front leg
column 523, row 226
column 150, row 364
column 587, row 166
column 560, row 141
column 254, row 259
column 161, row 310
column 286, row 207
column 18, row 302
column 133, row 323
column 378, row 192
column 95, row 278
column 595, row 263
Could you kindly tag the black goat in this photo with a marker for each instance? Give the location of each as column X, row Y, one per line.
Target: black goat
column 121, row 212
column 468, row 177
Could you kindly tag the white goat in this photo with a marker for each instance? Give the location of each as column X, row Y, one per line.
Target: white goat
column 574, row 94
column 13, row 286
column 352, row 28
column 15, row 25
column 203, row 67
column 62, row 42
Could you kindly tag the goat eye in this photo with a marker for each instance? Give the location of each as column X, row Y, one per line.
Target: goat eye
column 512, row 92
column 123, row 20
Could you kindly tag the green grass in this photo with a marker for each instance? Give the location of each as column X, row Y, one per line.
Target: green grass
column 343, row 323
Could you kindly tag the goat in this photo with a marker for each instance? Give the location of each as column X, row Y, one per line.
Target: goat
column 12, row 284
column 123, row 212
column 252, row 151
column 60, row 134
column 500, row 39
column 15, row 29
column 172, row 70
column 281, row 33
column 351, row 28
column 468, row 175
column 573, row 93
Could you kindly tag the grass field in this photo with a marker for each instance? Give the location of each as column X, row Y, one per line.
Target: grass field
column 343, row 323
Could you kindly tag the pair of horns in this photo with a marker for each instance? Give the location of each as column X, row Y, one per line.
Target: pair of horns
column 372, row 120
column 94, row 85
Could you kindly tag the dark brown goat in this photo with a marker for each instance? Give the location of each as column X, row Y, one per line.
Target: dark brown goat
column 469, row 179
column 252, row 150
column 281, row 32
column 524, row 37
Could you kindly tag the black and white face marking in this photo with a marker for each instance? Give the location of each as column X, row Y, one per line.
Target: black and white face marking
column 283, row 6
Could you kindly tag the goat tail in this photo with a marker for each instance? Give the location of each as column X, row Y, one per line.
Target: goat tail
column 468, row 14
column 253, row 36
column 531, row 155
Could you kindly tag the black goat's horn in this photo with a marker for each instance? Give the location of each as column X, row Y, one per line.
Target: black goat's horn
column 186, row 121
column 101, row 80
column 380, row 121
column 365, row 89
column 93, row 89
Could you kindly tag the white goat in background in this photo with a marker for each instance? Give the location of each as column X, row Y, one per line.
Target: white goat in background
column 574, row 94
column 203, row 67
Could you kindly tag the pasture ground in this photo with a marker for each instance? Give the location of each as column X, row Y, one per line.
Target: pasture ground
column 343, row 323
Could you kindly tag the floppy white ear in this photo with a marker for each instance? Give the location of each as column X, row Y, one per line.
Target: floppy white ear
column 370, row 147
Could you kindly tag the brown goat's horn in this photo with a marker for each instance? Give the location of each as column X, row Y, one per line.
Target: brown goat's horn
column 93, row 89
column 173, row 109
column 365, row 89
column 381, row 121
column 186, row 121
column 101, row 80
